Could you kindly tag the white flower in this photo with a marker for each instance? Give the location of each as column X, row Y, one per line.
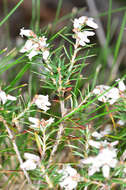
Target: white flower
column 42, row 102
column 45, row 54
column 42, row 42
column 106, row 159
column 70, row 178
column 94, row 144
column 32, row 54
column 106, row 171
column 27, row 47
column 121, row 85
column 29, row 156
column 4, row 97
column 36, row 122
column 83, row 20
column 31, row 162
column 111, row 96
column 28, row 165
column 120, row 122
column 90, row 22
column 26, row 33
column 82, row 37
column 96, row 135
column 107, row 130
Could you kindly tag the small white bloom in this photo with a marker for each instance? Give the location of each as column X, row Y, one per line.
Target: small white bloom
column 42, row 42
column 110, row 96
column 29, row 156
column 82, row 37
column 32, row 54
column 26, row 33
column 35, row 121
column 42, row 102
column 83, row 20
column 94, row 144
column 121, row 85
column 106, row 171
column 27, row 47
column 28, row 165
column 106, row 159
column 107, row 130
column 50, row 121
column 120, row 122
column 96, row 135
column 4, row 97
column 45, row 54
column 90, row 22
column 31, row 161
column 70, row 178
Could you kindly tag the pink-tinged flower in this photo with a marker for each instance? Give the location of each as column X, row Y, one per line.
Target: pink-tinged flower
column 70, row 178
column 42, row 102
column 4, row 97
column 31, row 162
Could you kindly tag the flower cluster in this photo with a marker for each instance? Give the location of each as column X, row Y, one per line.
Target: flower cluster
column 34, row 45
column 110, row 95
column 69, row 179
column 106, row 159
column 80, row 35
column 4, row 97
column 31, row 162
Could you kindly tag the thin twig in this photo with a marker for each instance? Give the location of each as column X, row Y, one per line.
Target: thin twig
column 15, row 148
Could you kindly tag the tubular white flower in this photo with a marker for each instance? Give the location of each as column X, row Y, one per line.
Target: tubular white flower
column 28, row 165
column 106, row 171
column 97, row 135
column 70, row 178
column 110, row 96
column 27, row 47
column 32, row 54
column 94, row 144
column 50, row 121
column 121, row 85
column 4, row 97
column 27, row 33
column 90, row 22
column 29, row 156
column 31, row 162
column 45, row 54
column 42, row 102
column 83, row 20
column 106, row 159
column 35, row 121
column 82, row 37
